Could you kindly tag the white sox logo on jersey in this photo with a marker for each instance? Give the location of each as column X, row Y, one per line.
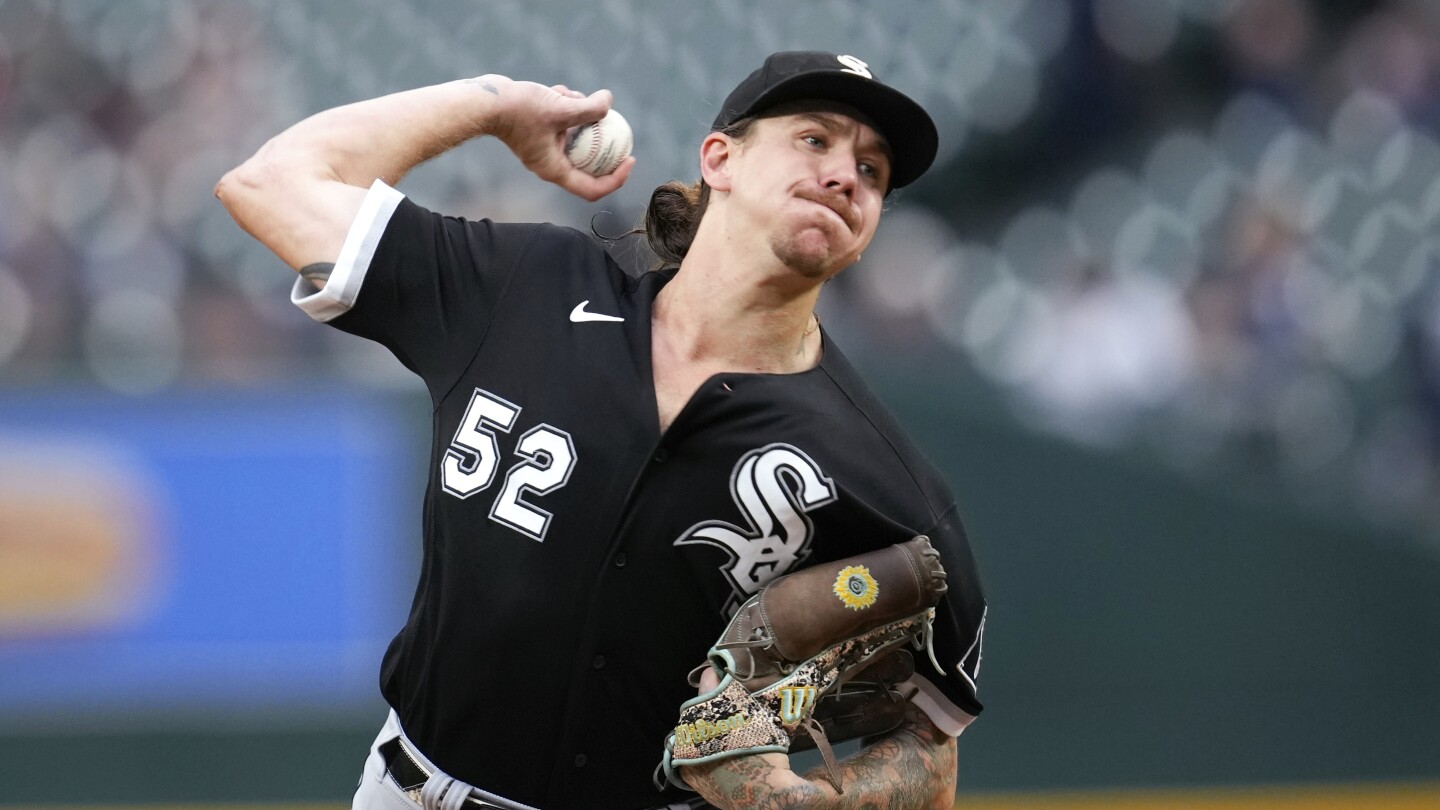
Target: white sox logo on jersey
column 774, row 486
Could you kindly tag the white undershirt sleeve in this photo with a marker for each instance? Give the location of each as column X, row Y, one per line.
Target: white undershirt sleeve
column 343, row 286
column 948, row 717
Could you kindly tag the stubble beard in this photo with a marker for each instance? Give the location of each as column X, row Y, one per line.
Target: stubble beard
column 808, row 253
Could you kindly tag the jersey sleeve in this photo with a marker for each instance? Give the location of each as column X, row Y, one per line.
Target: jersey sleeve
column 423, row 285
column 951, row 700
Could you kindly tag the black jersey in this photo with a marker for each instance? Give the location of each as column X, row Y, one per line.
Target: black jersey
column 578, row 562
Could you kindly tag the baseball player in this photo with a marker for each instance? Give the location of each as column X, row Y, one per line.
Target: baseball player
column 618, row 462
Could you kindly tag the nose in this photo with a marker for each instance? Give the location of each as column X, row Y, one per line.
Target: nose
column 839, row 173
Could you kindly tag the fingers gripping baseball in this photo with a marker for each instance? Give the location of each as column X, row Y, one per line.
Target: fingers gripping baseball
column 536, row 128
column 589, row 179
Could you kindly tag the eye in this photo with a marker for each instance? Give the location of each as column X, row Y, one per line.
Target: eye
column 875, row 171
column 814, row 140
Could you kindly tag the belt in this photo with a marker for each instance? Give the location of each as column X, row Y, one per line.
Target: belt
column 411, row 776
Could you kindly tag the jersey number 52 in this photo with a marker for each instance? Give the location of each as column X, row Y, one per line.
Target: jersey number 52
column 469, row 466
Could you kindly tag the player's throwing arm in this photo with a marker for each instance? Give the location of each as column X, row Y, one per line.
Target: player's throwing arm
column 302, row 190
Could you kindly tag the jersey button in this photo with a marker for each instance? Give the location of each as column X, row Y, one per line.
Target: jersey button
column 620, row 560
column 580, row 760
column 599, row 662
column 662, row 455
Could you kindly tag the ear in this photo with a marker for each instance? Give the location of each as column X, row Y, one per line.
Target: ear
column 715, row 153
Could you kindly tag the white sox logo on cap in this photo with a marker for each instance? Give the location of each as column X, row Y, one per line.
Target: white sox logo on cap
column 791, row 76
column 853, row 65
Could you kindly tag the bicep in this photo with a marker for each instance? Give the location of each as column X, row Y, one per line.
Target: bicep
column 298, row 209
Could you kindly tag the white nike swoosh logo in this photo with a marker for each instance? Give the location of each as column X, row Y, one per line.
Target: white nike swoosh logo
column 579, row 315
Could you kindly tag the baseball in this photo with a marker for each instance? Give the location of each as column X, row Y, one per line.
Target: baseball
column 600, row 146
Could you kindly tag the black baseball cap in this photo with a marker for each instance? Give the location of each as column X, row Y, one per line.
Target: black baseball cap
column 798, row 75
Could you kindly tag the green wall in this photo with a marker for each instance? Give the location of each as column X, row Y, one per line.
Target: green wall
column 1145, row 629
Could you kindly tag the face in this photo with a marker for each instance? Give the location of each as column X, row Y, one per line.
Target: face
column 814, row 182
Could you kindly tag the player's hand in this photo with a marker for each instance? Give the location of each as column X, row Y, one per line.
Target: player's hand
column 746, row 781
column 532, row 120
column 914, row 767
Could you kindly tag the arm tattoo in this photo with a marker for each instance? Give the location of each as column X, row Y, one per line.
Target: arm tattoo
column 484, row 85
column 913, row 768
column 318, row 273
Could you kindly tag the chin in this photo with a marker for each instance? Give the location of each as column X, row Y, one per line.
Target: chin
column 811, row 255
column 810, row 265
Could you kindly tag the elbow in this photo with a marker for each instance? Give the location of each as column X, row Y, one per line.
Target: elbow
column 231, row 182
column 256, row 194
column 266, row 183
column 946, row 772
column 251, row 180
column 234, row 191
column 944, row 798
column 227, row 189
column 270, row 172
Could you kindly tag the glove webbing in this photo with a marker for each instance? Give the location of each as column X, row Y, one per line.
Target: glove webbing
column 822, row 742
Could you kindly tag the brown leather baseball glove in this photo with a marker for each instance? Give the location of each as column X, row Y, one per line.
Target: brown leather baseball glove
column 869, row 704
column 795, row 645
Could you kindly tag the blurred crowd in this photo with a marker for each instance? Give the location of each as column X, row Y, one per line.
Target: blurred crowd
column 1237, row 267
column 1247, row 286
column 115, row 267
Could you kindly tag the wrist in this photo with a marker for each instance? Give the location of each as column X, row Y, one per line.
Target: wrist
column 485, row 98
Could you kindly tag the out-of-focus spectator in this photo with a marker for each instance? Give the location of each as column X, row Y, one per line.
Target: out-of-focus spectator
column 1119, row 348
column 1395, row 51
column 1282, row 232
column 1272, row 47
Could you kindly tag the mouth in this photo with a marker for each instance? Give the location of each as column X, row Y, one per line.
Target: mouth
column 836, row 203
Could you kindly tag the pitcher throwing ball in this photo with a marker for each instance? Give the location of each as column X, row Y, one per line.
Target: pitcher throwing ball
column 618, row 463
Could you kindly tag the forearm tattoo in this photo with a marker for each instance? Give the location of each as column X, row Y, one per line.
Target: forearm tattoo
column 913, row 768
column 484, row 85
column 318, row 273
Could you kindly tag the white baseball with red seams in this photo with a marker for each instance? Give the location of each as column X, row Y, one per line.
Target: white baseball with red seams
column 601, row 146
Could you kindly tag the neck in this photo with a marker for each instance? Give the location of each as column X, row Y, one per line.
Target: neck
column 740, row 314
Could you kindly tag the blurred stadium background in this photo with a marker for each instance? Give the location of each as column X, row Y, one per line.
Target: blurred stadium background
column 1167, row 312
